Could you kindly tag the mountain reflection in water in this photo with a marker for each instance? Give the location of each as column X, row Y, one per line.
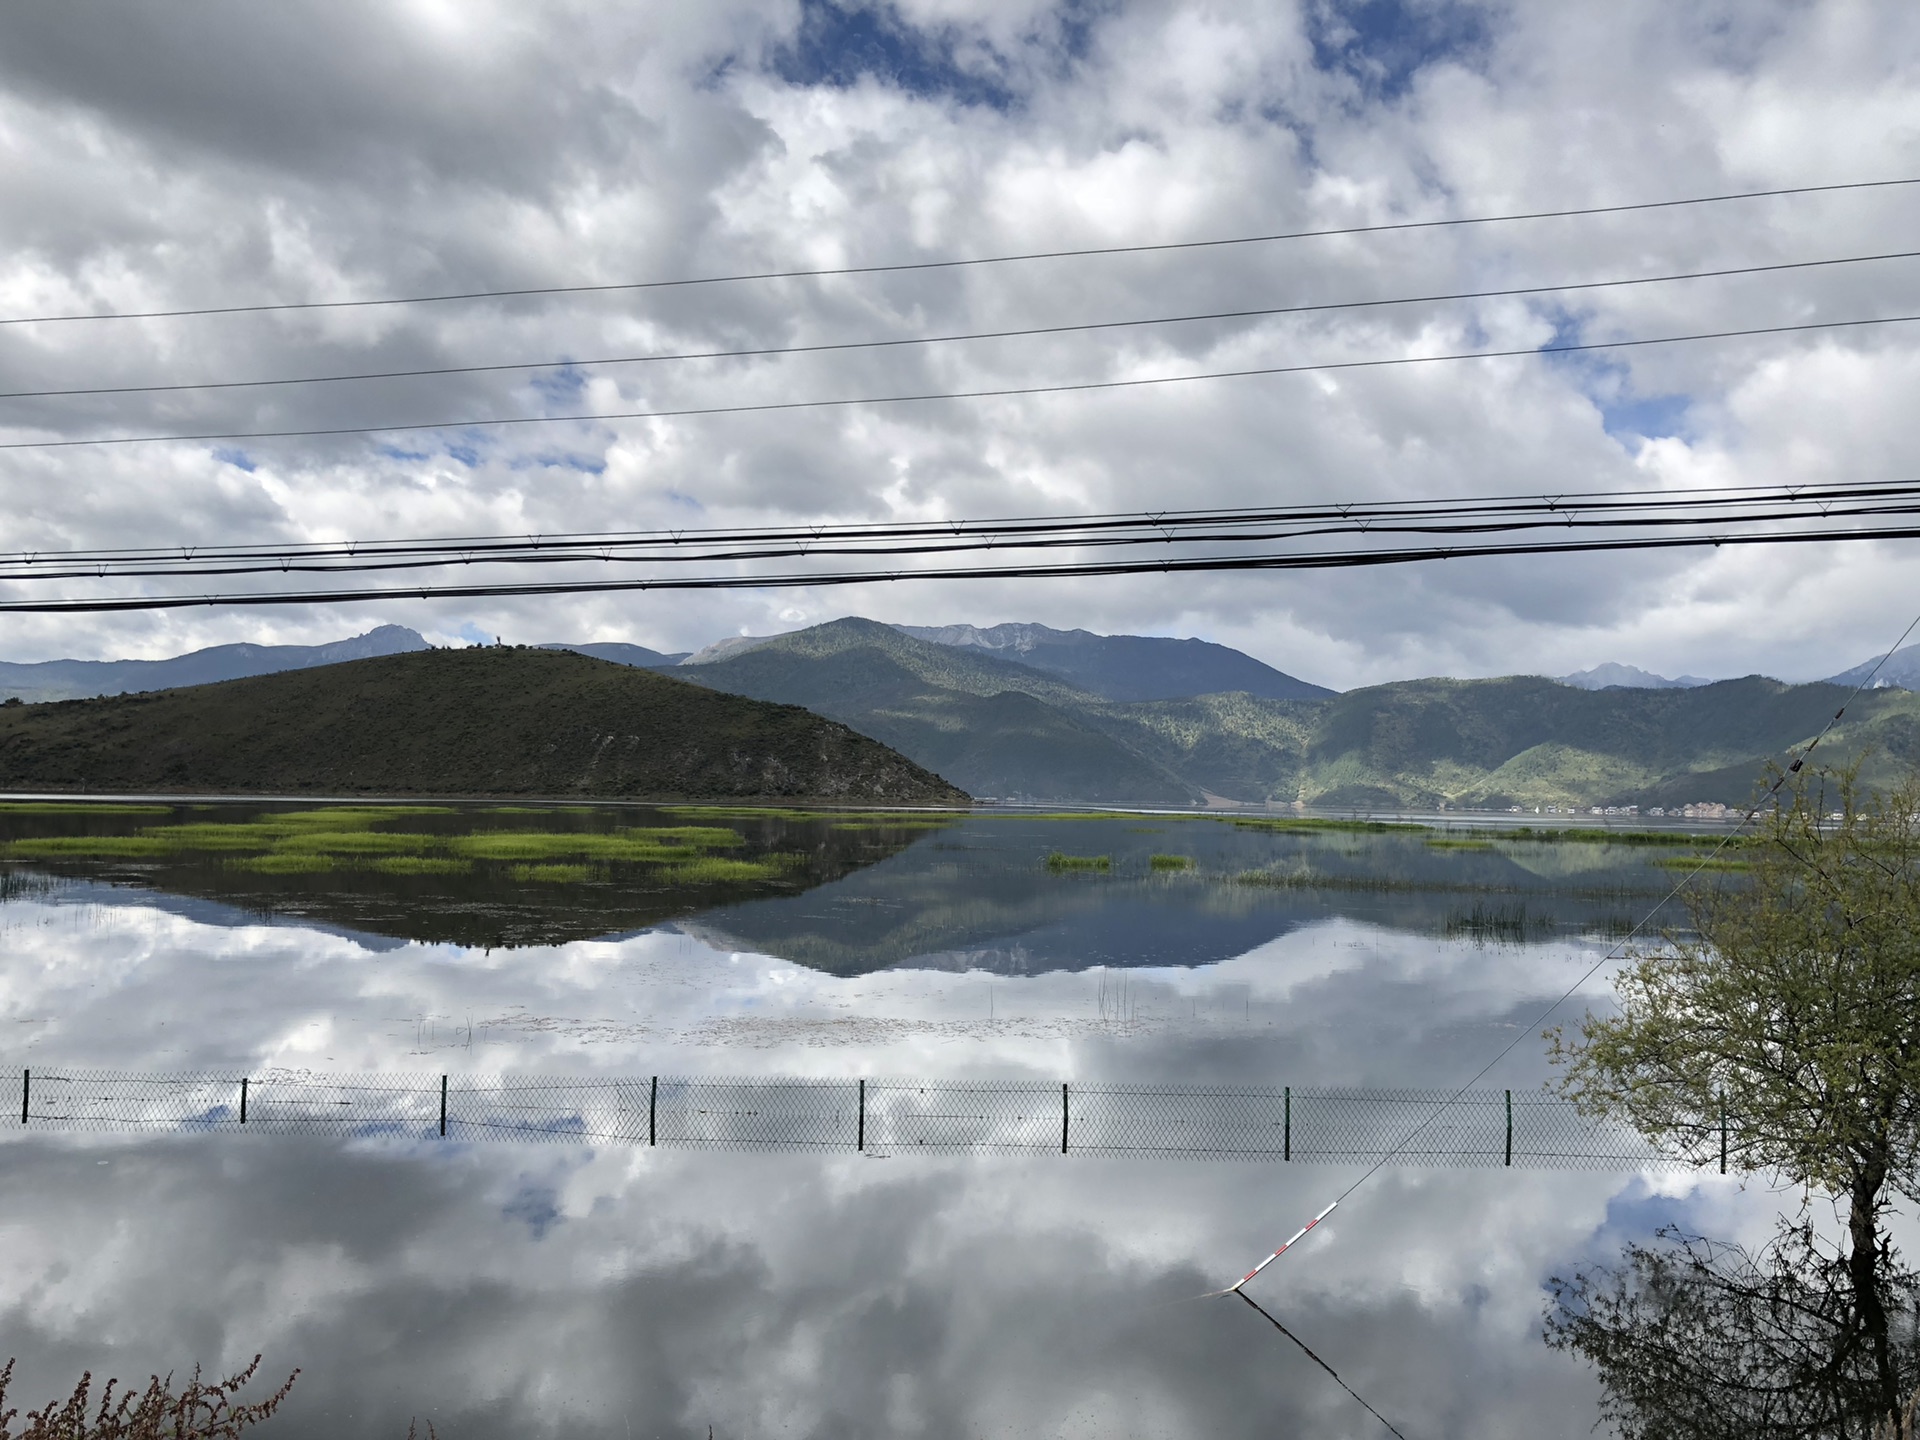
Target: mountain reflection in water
column 506, row 1290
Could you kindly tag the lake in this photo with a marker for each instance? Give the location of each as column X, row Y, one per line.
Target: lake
column 588, row 1288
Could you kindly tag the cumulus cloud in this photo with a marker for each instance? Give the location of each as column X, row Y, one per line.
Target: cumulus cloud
column 235, row 155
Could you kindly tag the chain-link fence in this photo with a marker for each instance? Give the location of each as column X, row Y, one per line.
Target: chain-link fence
column 876, row 1115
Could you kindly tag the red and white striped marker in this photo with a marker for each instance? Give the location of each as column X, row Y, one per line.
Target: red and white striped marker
column 1281, row 1251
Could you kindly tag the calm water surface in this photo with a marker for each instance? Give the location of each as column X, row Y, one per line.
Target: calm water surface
column 516, row 1290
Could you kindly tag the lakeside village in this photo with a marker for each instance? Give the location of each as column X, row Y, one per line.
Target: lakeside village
column 1700, row 810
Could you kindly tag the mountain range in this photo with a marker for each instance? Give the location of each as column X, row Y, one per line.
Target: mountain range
column 79, row 679
column 1001, row 728
column 1029, row 712
column 1629, row 677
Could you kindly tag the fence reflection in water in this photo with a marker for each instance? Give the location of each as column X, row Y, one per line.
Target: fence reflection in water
column 878, row 1115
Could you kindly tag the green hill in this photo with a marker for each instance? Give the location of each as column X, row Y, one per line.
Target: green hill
column 992, row 726
column 1001, row 728
column 455, row 722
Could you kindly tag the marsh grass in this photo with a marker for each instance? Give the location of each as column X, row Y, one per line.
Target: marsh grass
column 73, row 807
column 1170, row 862
column 719, row 870
column 25, row 885
column 421, row 865
column 271, row 864
column 1437, row 842
column 356, row 838
column 1590, row 836
column 1061, row 864
column 358, row 842
column 1307, row 825
column 1508, row 924
column 902, row 824
column 85, row 847
column 1709, row 863
column 541, row 845
column 555, row 874
column 779, row 812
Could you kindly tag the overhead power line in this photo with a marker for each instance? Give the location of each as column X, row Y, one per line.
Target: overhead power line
column 1027, row 332
column 920, row 542
column 1080, row 252
column 994, row 393
column 1322, row 560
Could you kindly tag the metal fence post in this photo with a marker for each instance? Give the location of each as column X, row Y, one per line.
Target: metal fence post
column 1286, row 1124
column 243, row 1099
column 860, row 1140
column 26, row 1081
column 1509, row 1127
column 653, row 1109
column 443, row 1105
column 1063, row 1117
column 1723, row 1132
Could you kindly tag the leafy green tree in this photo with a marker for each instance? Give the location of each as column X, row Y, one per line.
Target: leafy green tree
column 1793, row 1011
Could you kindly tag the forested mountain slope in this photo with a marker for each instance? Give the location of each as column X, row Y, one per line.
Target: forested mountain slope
column 999, row 728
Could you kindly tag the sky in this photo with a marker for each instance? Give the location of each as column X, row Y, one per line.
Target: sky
column 236, row 154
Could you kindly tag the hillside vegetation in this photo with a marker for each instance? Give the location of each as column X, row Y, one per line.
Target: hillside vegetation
column 1003, row 729
column 455, row 722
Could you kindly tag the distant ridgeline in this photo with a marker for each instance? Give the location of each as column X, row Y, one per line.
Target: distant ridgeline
column 480, row 721
column 999, row 727
column 1028, row 712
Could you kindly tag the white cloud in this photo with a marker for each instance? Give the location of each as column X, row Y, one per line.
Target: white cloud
column 307, row 151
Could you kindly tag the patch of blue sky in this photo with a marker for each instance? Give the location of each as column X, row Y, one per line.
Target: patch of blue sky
column 562, row 387
column 689, row 502
column 1628, row 414
column 1638, row 1212
column 239, row 459
column 840, row 45
column 537, row 1207
column 474, row 635
column 560, row 460
column 1383, row 45
column 395, row 452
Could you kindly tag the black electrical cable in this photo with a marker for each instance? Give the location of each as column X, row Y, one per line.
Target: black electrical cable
column 769, row 351
column 1083, row 252
column 1558, row 502
column 1002, row 392
column 1321, row 1363
column 925, row 547
column 1620, row 510
column 1324, row 560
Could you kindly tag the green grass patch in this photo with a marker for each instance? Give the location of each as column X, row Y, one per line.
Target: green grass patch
column 553, row 874
column 1307, row 825
column 719, row 870
column 1703, row 862
column 1170, row 862
column 79, row 807
column 211, row 835
column 711, row 837
column 86, row 847
column 420, row 865
column 358, row 842
column 540, row 845
column 1061, row 864
column 891, row 824
column 1591, row 836
column 780, row 812
column 1439, row 843
column 283, row 864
